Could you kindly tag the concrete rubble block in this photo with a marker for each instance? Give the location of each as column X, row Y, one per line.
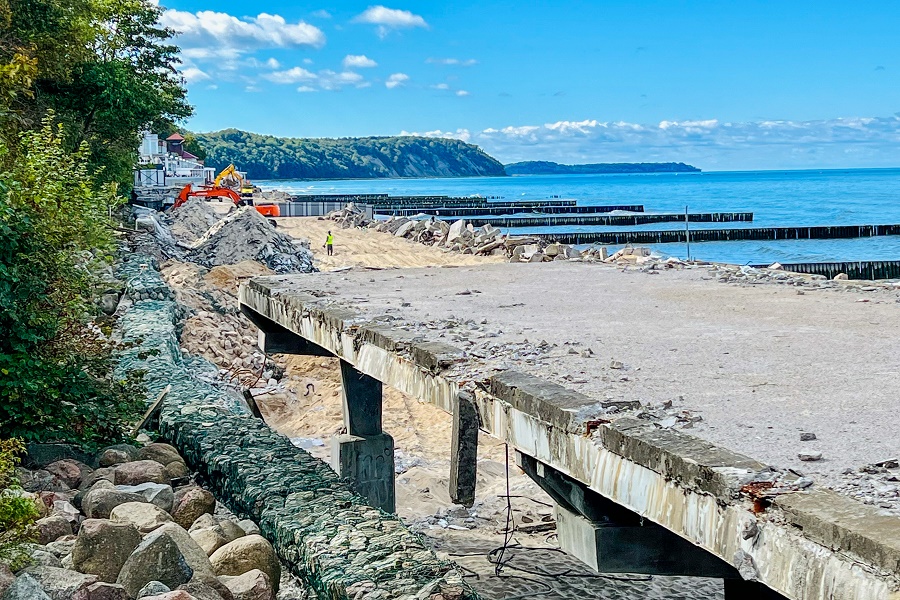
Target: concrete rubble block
column 158, row 494
column 157, row 558
column 404, row 229
column 140, row 471
column 456, row 230
column 52, row 528
column 252, row 585
column 99, row 503
column 191, row 504
column 246, row 554
column 144, row 516
column 103, row 546
column 60, row 584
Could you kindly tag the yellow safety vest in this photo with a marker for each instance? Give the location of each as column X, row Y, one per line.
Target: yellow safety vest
column 329, row 240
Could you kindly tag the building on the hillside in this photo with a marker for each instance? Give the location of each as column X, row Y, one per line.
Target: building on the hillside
column 164, row 167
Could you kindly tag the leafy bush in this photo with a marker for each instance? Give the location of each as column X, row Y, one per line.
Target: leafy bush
column 54, row 362
column 17, row 513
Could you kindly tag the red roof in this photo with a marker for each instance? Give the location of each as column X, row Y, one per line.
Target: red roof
column 175, row 138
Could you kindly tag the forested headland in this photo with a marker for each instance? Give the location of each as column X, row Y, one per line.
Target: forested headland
column 270, row 157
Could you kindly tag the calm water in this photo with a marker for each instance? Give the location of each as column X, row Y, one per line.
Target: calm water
column 777, row 199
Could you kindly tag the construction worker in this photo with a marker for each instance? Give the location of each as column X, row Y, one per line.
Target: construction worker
column 329, row 243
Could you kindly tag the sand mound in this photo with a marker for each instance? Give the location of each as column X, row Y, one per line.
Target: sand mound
column 247, row 235
column 191, row 220
column 229, row 277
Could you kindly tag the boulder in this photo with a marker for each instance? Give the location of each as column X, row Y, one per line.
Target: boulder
column 231, row 530
column 45, row 559
column 6, row 577
column 102, row 591
column 62, row 546
column 64, row 509
column 99, row 503
column 204, row 521
column 102, row 474
column 209, row 539
column 158, row 494
column 245, row 554
column 25, row 587
column 140, row 471
column 252, row 585
column 60, row 584
column 405, row 228
column 157, row 558
column 143, row 515
column 102, row 547
column 69, row 471
column 153, row 588
column 52, row 528
column 78, row 499
column 159, row 452
column 173, row 595
column 109, row 303
column 194, row 555
column 176, row 470
column 118, row 454
column 191, row 504
column 204, row 591
column 44, row 481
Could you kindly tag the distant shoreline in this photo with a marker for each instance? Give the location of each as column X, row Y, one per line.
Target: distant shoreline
column 542, row 167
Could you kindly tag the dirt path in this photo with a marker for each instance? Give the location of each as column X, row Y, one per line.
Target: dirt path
column 369, row 248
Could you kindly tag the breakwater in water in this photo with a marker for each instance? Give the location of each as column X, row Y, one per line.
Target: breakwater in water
column 722, row 235
column 508, row 208
column 864, row 269
column 607, row 220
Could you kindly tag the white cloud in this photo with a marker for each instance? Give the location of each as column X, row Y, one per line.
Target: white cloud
column 307, row 61
column 390, row 18
column 273, row 63
column 321, row 14
column 460, row 134
column 292, row 75
column 212, row 30
column 462, row 93
column 193, row 75
column 707, row 143
column 452, row 62
column 441, row 86
column 396, row 80
column 358, row 61
column 323, row 80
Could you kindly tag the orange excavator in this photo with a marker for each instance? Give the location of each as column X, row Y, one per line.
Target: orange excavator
column 214, row 191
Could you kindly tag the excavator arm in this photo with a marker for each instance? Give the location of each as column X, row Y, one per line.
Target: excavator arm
column 229, row 171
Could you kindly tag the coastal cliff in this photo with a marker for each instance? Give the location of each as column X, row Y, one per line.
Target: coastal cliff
column 541, row 167
column 270, row 157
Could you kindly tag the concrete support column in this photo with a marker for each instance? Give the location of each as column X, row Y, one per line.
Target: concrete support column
column 464, row 450
column 738, row 589
column 365, row 454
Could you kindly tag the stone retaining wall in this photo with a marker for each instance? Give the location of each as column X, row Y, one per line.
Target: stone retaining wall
column 325, row 534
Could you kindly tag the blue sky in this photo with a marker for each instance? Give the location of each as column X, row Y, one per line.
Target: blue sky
column 723, row 85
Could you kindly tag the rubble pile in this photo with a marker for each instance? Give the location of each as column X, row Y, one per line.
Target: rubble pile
column 247, row 235
column 876, row 484
column 190, row 221
column 459, row 236
column 133, row 524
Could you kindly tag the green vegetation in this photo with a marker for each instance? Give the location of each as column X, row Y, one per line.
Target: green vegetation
column 268, row 157
column 542, row 167
column 79, row 79
column 17, row 513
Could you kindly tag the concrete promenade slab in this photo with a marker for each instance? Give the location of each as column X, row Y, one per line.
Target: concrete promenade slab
column 559, row 356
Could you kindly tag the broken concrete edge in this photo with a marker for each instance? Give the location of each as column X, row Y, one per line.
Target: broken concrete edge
column 690, row 462
column 326, row 535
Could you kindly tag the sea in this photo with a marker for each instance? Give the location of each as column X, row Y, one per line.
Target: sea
column 776, row 199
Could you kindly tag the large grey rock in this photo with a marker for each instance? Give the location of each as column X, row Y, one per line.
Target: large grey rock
column 248, row 526
column 158, row 494
column 252, row 585
column 209, row 539
column 102, row 547
column 102, row 591
column 25, row 587
column 45, row 559
column 231, row 530
column 140, row 471
column 60, row 584
column 52, row 528
column 62, row 546
column 194, row 555
column 204, row 521
column 6, row 578
column 161, row 453
column 89, row 481
column 109, row 303
column 157, row 558
column 204, row 591
column 100, row 502
column 245, row 554
column 144, row 516
column 153, row 588
column 191, row 504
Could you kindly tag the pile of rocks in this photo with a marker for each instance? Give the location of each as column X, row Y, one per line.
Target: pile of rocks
column 137, row 527
column 191, row 220
column 876, row 484
column 459, row 236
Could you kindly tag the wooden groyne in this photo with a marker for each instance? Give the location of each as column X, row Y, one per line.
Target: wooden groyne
column 863, row 269
column 383, row 201
column 507, row 208
column 723, row 235
column 608, row 220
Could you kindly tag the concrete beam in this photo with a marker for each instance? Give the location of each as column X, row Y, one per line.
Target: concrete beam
column 464, row 450
column 272, row 338
column 609, row 538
